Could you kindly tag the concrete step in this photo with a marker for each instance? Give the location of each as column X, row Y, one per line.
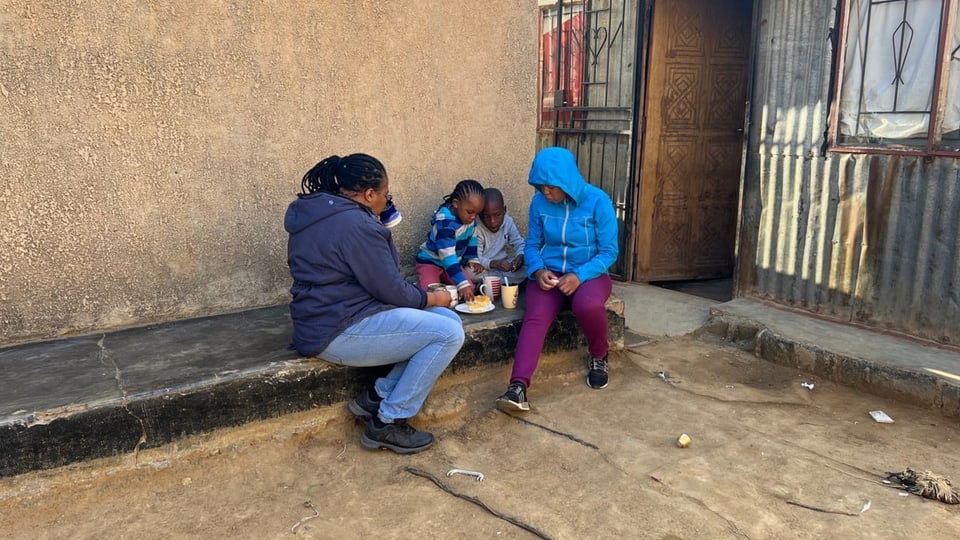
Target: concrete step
column 868, row 359
column 100, row 395
column 919, row 373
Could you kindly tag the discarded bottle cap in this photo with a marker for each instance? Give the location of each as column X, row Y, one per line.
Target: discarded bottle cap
column 683, row 441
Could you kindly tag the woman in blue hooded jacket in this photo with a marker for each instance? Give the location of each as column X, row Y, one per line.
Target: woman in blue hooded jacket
column 571, row 243
column 352, row 306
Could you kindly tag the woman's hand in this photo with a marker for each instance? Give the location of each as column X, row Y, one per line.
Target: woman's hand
column 569, row 284
column 466, row 293
column 439, row 297
column 546, row 279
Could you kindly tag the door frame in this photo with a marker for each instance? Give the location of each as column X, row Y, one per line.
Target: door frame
column 742, row 269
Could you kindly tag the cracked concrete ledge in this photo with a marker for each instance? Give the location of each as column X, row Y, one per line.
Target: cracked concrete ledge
column 138, row 415
column 889, row 367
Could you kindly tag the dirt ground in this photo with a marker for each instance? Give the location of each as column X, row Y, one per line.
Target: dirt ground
column 582, row 464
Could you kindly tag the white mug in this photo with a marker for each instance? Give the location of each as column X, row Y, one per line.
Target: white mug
column 454, row 296
column 491, row 288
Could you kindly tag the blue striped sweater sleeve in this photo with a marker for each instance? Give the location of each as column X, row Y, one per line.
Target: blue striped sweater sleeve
column 445, row 245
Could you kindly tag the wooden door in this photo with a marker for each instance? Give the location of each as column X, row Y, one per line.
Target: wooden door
column 693, row 139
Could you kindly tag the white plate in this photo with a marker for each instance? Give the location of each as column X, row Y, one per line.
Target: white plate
column 464, row 308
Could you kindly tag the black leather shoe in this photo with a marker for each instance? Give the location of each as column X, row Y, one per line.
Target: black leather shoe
column 364, row 406
column 399, row 436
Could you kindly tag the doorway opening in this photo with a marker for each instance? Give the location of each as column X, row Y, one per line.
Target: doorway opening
column 718, row 289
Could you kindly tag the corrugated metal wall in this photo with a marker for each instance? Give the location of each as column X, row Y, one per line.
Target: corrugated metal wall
column 872, row 239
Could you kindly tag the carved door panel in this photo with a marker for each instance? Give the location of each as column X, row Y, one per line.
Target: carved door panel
column 693, row 139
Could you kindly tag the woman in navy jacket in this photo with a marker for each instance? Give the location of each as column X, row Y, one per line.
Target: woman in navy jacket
column 352, row 306
column 571, row 243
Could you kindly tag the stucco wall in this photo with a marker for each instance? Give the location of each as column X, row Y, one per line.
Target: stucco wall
column 149, row 149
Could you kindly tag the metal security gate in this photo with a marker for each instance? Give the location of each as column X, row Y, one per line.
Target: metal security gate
column 589, row 73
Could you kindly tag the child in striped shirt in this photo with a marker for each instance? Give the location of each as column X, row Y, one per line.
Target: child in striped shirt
column 450, row 253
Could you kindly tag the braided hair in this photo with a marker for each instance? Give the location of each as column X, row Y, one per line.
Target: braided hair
column 355, row 172
column 464, row 190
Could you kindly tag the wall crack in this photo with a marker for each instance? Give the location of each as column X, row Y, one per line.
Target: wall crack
column 106, row 360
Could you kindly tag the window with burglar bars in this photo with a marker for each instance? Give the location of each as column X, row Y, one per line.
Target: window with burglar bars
column 900, row 80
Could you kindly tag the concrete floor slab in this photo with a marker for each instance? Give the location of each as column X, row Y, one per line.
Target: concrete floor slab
column 657, row 312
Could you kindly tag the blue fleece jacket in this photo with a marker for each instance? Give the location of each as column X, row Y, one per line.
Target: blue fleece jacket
column 344, row 266
column 578, row 235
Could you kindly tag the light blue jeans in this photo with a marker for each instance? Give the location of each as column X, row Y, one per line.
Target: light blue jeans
column 421, row 342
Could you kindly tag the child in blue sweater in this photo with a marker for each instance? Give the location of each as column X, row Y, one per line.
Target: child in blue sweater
column 451, row 244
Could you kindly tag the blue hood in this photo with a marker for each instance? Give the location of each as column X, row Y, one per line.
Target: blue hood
column 557, row 167
column 315, row 207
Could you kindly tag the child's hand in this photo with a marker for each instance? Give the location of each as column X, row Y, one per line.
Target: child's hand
column 502, row 264
column 466, row 293
column 476, row 267
column 517, row 262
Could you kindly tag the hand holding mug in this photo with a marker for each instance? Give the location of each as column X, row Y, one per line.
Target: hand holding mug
column 390, row 216
column 439, row 297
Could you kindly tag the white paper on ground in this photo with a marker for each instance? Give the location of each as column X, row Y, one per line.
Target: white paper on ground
column 881, row 417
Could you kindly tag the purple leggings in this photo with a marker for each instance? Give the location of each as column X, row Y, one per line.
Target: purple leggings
column 589, row 306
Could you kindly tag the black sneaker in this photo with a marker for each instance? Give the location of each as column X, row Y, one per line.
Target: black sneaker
column 399, row 436
column 597, row 378
column 514, row 399
column 366, row 405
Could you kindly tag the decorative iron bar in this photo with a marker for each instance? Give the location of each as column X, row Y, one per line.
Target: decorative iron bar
column 901, row 39
column 900, row 53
